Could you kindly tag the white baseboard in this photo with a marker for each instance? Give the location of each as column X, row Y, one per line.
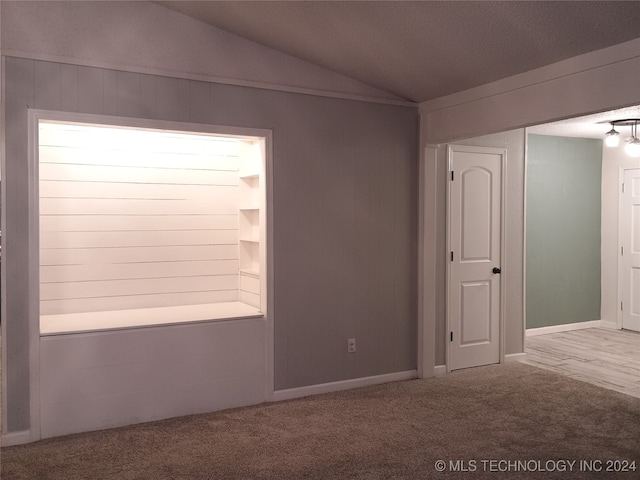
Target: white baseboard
column 606, row 324
column 16, row 438
column 440, row 370
column 514, row 357
column 343, row 385
column 532, row 332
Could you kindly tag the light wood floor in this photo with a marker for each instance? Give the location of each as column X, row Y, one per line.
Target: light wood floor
column 605, row 357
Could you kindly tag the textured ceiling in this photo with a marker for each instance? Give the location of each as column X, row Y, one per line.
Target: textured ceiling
column 588, row 126
column 425, row 49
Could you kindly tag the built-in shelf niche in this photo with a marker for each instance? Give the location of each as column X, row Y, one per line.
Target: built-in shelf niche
column 251, row 225
column 136, row 220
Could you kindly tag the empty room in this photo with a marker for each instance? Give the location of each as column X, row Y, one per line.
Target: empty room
column 319, row 239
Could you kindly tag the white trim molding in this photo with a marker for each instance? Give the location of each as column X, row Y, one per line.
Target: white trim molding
column 568, row 327
column 3, row 265
column 427, row 254
column 17, row 438
column 606, row 324
column 514, row 357
column 440, row 370
column 299, row 392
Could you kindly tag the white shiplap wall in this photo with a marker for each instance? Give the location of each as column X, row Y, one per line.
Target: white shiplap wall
column 135, row 219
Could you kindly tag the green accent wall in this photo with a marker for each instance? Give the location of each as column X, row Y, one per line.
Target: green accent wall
column 564, row 178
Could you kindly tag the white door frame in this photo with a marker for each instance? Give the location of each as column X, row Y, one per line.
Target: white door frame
column 619, row 278
column 428, row 173
column 621, row 174
column 503, row 213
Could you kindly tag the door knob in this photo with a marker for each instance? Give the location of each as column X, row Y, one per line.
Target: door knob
column 496, row 270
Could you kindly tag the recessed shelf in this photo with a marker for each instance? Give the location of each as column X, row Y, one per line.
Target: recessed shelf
column 249, row 271
column 144, row 317
column 251, row 204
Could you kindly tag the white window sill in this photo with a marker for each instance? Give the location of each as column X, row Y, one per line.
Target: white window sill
column 144, row 317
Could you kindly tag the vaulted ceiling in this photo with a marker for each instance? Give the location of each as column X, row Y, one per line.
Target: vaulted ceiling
column 420, row 50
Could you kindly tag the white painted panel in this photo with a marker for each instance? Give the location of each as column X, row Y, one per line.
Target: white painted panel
column 630, row 260
column 137, row 158
column 476, row 214
column 249, row 256
column 134, row 139
column 635, row 228
column 138, row 238
column 635, row 291
column 249, row 224
column 99, row 173
column 250, row 284
column 475, row 308
column 159, row 373
column 137, row 219
column 250, row 298
column 137, row 254
column 148, row 286
column 138, row 222
column 82, row 415
column 81, row 273
column 64, row 189
column 126, row 206
column 249, row 192
column 123, row 377
column 144, row 317
column 90, row 305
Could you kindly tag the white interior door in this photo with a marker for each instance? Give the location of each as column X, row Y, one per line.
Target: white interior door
column 475, row 241
column 630, row 260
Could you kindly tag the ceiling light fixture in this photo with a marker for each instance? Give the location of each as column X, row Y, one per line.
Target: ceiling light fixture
column 633, row 144
column 612, row 137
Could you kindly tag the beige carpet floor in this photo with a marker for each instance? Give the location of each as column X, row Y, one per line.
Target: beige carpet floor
column 475, row 421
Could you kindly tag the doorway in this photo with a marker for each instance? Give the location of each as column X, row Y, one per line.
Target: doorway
column 630, row 251
column 606, row 208
column 475, row 230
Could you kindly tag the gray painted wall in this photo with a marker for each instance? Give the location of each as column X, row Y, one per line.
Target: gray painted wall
column 344, row 215
column 564, row 177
